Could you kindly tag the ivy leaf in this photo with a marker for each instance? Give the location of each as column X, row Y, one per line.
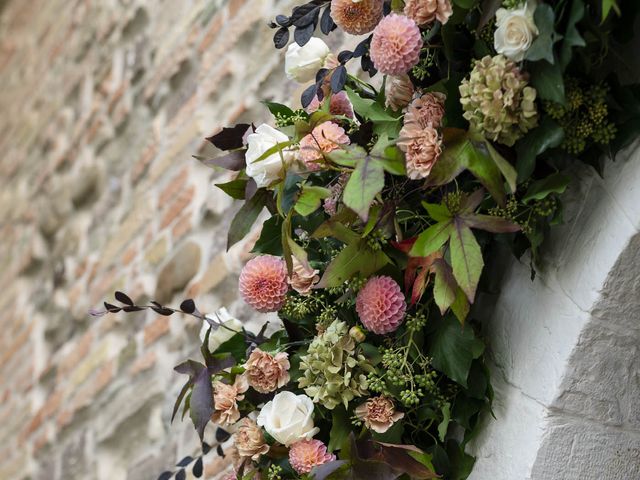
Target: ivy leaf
column 245, row 218
column 310, row 199
column 572, row 37
column 466, row 258
column 554, row 183
column 366, row 181
column 452, row 348
column 444, row 425
column 340, row 428
column 270, row 241
column 542, row 47
column 547, row 79
column 537, row 141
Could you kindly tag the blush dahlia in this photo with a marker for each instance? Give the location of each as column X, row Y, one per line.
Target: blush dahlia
column 263, row 283
column 380, row 305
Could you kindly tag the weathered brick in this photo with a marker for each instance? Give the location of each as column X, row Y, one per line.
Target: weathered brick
column 155, row 330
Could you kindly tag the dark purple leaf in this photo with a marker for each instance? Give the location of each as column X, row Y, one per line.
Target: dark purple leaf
column 167, row 312
column 230, row 138
column 345, row 56
column 185, row 461
column 201, row 404
column 362, row 47
column 111, row 308
column 250, row 189
column 220, row 451
column 321, row 74
column 181, row 475
column 188, row 306
column 197, row 468
column 302, row 35
column 490, row 223
column 308, row 95
column 302, row 10
column 206, row 448
column 190, row 367
column 281, row 37
column 234, row 161
column 222, row 435
column 215, row 364
column 132, row 309
column 338, row 79
column 123, row 298
column 323, row 471
column 165, row 475
column 183, row 392
column 308, row 18
column 283, row 20
column 97, row 313
column 326, row 22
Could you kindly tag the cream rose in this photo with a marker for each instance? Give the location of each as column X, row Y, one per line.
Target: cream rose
column 302, row 63
column 515, row 31
column 222, row 333
column 288, row 418
column 271, row 168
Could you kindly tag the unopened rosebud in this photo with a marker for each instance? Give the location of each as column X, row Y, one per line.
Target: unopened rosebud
column 357, row 334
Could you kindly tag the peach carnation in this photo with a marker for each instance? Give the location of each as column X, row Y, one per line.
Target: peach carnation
column 378, row 414
column 398, row 92
column 306, row 454
column 425, row 12
column 324, row 138
column 249, row 440
column 266, row 373
column 396, row 45
column 225, row 400
column 426, row 111
column 338, row 105
column 263, row 283
column 303, row 278
column 356, row 17
column 422, row 147
column 380, row 305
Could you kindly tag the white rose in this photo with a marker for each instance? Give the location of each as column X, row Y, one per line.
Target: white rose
column 288, row 418
column 515, row 31
column 221, row 334
column 302, row 63
column 269, row 169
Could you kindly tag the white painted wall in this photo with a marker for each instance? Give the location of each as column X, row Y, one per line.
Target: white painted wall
column 565, row 347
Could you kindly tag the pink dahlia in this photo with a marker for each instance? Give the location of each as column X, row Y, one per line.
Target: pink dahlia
column 338, row 105
column 356, row 17
column 380, row 305
column 325, row 138
column 263, row 283
column 396, row 45
column 306, row 454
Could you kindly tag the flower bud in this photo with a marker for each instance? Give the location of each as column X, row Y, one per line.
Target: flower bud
column 357, row 334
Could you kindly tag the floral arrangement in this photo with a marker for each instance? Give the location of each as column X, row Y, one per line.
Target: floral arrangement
column 385, row 201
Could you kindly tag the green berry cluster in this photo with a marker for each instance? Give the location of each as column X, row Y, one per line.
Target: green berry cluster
column 453, row 200
column 286, row 120
column 356, row 283
column 376, row 240
column 298, row 307
column 584, row 118
column 427, row 61
column 416, row 322
column 274, row 472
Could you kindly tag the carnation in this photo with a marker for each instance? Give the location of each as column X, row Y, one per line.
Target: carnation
column 263, row 283
column 249, row 440
column 323, row 139
column 396, row 44
column 356, row 17
column 398, row 92
column 225, row 400
column 380, row 305
column 497, row 100
column 425, row 12
column 306, row 454
column 426, row 111
column 422, row 147
column 303, row 278
column 265, row 372
column 378, row 414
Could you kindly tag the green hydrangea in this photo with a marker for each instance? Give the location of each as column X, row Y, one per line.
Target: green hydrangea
column 497, row 100
column 334, row 372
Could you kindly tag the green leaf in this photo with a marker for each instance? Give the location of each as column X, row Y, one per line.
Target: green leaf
column 354, row 258
column 347, row 156
column 537, row 141
column 542, row 47
column 444, row 425
column 432, row 239
column 279, row 109
column 235, row 188
column 465, row 3
column 452, row 348
column 607, row 6
column 277, row 148
column 369, row 109
column 245, row 218
column 440, row 213
column 270, row 241
column 460, row 306
column 489, row 223
column 392, row 161
column 366, row 181
column 572, row 37
column 445, row 286
column 554, row 183
column 508, row 172
column 548, row 81
column 310, row 199
column 340, row 428
column 466, row 258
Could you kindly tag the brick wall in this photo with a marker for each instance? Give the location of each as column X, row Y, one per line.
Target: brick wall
column 103, row 103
